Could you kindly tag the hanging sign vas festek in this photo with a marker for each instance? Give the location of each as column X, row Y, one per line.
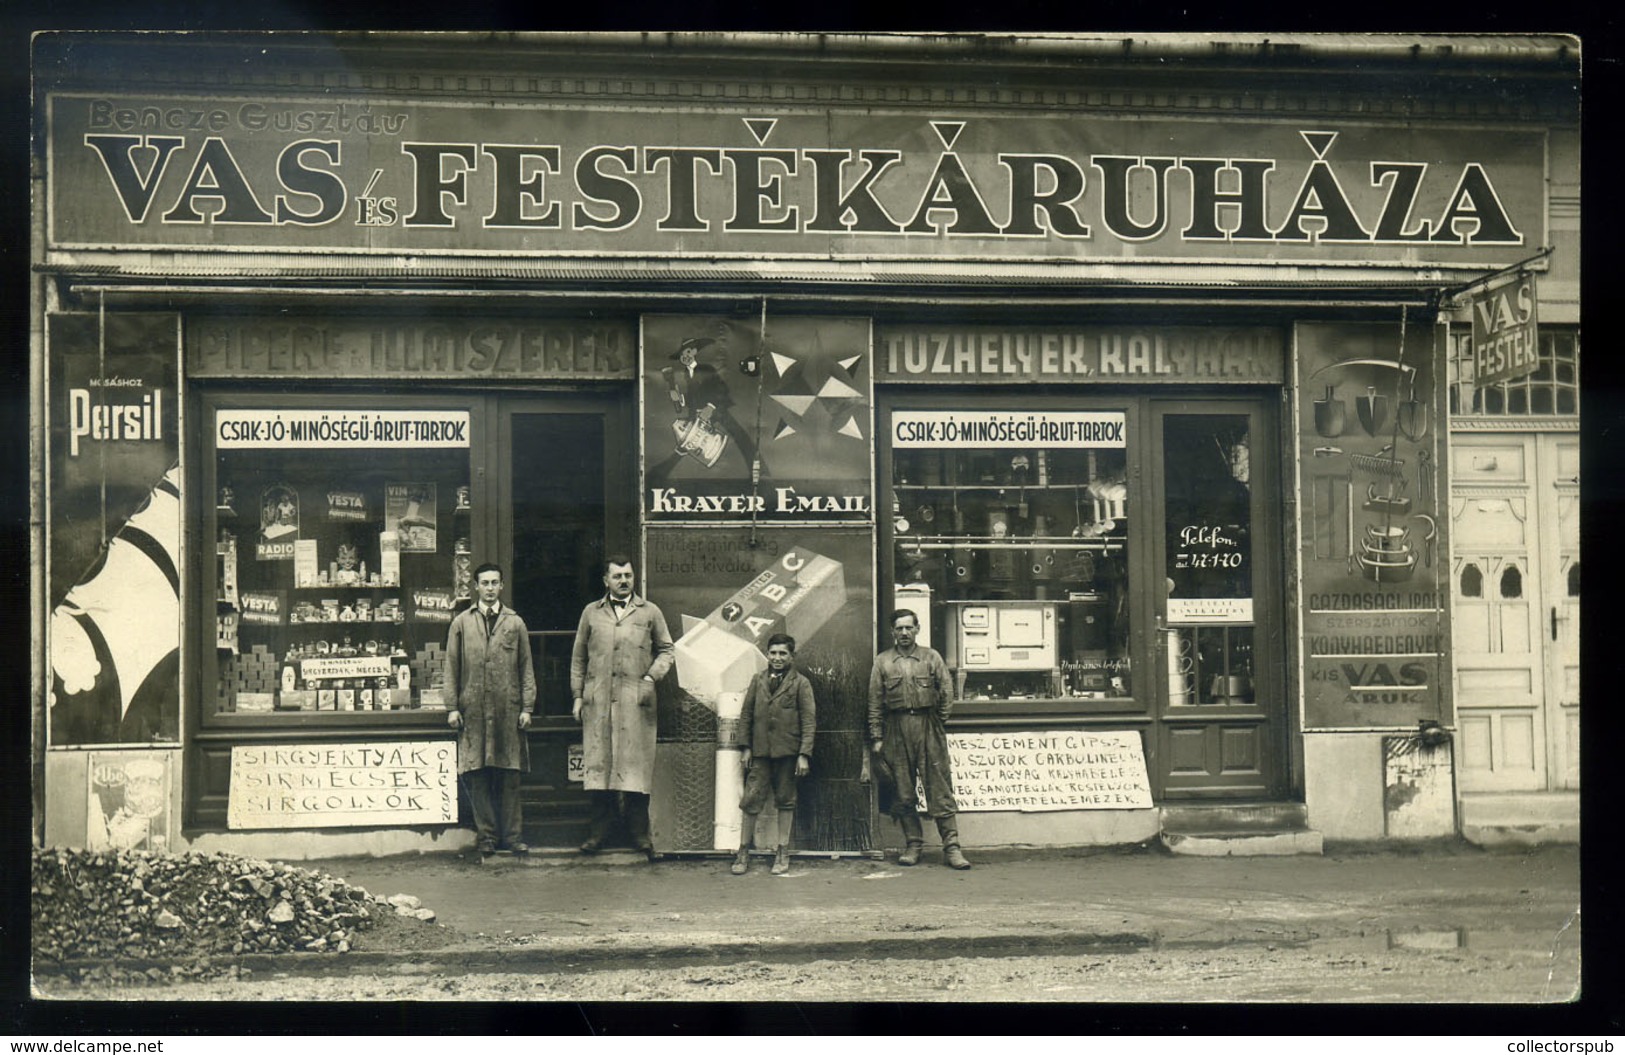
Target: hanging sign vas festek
column 1506, row 344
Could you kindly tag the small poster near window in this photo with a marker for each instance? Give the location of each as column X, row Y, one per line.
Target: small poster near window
column 409, row 511
column 279, row 523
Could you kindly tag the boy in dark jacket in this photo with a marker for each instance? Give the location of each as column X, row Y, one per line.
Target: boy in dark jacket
column 776, row 727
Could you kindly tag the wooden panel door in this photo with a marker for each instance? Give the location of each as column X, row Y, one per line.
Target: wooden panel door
column 1503, row 596
column 1558, row 459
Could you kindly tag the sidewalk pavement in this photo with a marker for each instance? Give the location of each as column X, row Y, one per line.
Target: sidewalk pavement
column 559, row 906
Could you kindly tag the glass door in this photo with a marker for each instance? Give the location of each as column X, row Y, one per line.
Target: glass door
column 1217, row 661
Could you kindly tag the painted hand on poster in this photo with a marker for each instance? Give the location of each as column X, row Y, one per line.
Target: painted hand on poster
column 115, row 637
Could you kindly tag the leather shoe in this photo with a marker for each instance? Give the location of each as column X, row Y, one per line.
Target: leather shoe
column 647, row 850
column 486, row 850
column 592, row 846
column 910, row 855
column 741, row 863
column 781, row 862
column 518, row 848
column 952, row 857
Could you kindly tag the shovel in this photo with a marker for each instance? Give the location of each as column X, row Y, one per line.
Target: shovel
column 1372, row 409
column 1412, row 417
column 1330, row 414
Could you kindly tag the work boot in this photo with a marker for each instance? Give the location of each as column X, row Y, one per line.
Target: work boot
column 741, row 863
column 599, row 821
column 948, row 828
column 781, row 861
column 915, row 836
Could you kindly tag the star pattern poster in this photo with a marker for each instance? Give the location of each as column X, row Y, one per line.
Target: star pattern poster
column 742, row 421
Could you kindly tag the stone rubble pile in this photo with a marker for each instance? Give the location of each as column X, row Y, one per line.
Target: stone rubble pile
column 139, row 905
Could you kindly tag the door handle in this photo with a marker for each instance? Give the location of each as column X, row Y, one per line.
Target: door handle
column 1554, row 622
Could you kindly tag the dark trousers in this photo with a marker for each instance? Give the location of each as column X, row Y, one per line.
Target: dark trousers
column 916, row 749
column 607, row 804
column 493, row 798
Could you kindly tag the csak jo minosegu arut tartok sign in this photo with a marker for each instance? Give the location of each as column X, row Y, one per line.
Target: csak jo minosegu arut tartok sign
column 370, row 175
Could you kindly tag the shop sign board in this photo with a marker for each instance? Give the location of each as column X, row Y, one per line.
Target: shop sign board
column 1030, row 354
column 1374, row 527
column 338, row 429
column 454, row 348
column 1006, row 429
column 1506, row 342
column 741, row 428
column 287, row 171
column 344, row 785
column 113, row 529
column 1054, row 769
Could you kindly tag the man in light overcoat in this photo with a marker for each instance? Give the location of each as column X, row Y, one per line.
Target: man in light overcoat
column 622, row 648
column 490, row 690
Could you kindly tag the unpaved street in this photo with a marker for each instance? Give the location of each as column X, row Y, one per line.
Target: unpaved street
column 1328, row 971
column 1447, row 924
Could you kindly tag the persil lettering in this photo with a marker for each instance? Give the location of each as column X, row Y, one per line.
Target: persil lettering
column 139, row 415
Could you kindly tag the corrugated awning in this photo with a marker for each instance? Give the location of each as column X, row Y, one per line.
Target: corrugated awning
column 295, row 270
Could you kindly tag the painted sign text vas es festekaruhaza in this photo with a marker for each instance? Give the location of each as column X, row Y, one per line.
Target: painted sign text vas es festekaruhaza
column 542, row 179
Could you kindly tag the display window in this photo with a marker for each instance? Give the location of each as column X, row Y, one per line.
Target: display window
column 344, row 537
column 1009, row 537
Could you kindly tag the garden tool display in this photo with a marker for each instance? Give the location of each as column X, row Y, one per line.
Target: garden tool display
column 1383, row 463
column 1393, row 500
column 1424, row 475
column 1324, row 496
column 1372, row 410
column 1348, row 504
column 1427, row 540
column 1412, row 418
column 1330, row 414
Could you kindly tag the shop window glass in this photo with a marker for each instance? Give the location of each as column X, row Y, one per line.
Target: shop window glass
column 1018, row 552
column 1472, row 581
column 1207, row 532
column 339, row 558
column 1574, row 579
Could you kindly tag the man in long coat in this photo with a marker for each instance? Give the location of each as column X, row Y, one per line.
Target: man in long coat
column 622, row 649
column 491, row 689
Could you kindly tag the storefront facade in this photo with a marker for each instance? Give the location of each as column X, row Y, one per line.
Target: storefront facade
column 1130, row 372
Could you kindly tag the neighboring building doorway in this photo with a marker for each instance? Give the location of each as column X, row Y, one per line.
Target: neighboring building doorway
column 1515, row 490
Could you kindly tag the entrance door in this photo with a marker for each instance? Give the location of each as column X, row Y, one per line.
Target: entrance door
column 1218, row 676
column 1516, row 514
column 562, row 464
